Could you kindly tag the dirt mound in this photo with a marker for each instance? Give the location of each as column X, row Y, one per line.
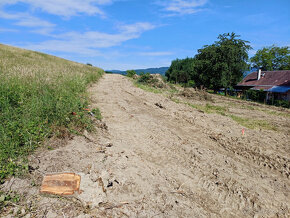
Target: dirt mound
column 136, row 76
column 194, row 94
column 157, row 81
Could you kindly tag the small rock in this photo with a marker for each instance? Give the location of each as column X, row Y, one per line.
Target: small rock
column 159, row 105
column 15, row 211
column 110, row 184
column 108, row 145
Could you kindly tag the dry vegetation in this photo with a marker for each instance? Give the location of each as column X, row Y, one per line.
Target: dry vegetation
column 248, row 114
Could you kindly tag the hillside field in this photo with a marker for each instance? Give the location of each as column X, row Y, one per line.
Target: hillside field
column 38, row 94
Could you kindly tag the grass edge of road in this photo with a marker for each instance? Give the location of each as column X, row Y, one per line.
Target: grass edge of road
column 41, row 96
column 209, row 108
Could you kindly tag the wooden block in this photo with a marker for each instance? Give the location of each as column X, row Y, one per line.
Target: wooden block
column 61, row 184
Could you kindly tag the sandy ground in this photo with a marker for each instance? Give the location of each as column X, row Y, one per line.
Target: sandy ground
column 158, row 158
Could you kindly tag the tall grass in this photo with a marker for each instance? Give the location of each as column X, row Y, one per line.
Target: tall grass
column 40, row 95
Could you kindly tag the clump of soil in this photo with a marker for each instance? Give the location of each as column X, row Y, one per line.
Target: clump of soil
column 194, row 94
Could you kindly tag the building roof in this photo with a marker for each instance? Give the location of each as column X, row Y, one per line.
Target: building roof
column 268, row 79
column 265, row 88
column 280, row 89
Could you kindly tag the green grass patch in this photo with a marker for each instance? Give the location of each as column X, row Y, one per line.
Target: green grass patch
column 8, row 198
column 208, row 108
column 147, row 88
column 252, row 123
column 216, row 109
column 176, row 100
column 97, row 113
column 40, row 96
column 276, row 113
column 196, row 106
column 246, row 122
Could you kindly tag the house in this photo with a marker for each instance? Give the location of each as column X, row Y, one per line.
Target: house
column 275, row 83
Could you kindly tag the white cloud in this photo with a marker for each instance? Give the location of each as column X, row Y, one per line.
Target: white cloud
column 27, row 20
column 65, row 8
column 155, row 53
column 137, row 27
column 88, row 42
column 182, row 7
column 30, row 21
column 7, row 30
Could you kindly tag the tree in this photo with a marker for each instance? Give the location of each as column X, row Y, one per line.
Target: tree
column 272, row 58
column 181, row 70
column 222, row 64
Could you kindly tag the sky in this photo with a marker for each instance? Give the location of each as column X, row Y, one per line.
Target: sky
column 136, row 34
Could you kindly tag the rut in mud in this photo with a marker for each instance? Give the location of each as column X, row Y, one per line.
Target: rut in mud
column 159, row 158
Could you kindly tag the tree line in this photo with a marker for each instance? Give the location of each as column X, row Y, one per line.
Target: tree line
column 222, row 64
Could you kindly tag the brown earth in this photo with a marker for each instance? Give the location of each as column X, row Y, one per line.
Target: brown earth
column 159, row 158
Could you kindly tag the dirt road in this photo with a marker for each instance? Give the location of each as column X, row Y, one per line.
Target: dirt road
column 162, row 159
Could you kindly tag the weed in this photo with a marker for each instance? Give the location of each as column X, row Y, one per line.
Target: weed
column 39, row 97
column 196, row 106
column 144, row 78
column 246, row 122
column 148, row 88
column 252, row 123
column 175, row 100
column 208, row 108
column 216, row 109
column 8, row 198
column 277, row 113
column 97, row 113
column 131, row 73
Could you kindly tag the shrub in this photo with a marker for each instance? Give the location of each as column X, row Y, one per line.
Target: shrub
column 191, row 84
column 144, row 78
column 256, row 95
column 130, row 73
column 282, row 103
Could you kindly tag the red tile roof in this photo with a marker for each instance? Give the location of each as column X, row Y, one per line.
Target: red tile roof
column 268, row 79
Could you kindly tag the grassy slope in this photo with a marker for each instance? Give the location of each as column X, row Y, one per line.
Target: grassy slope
column 40, row 95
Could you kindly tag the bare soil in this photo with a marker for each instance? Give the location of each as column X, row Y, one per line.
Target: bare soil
column 153, row 157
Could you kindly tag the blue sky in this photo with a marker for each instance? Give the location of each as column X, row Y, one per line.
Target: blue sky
column 130, row 34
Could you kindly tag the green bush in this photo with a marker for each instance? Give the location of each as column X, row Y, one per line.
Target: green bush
column 191, row 84
column 282, row 103
column 256, row 95
column 130, row 73
column 144, row 78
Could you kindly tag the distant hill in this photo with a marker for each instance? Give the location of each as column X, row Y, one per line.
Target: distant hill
column 116, row 72
column 159, row 70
